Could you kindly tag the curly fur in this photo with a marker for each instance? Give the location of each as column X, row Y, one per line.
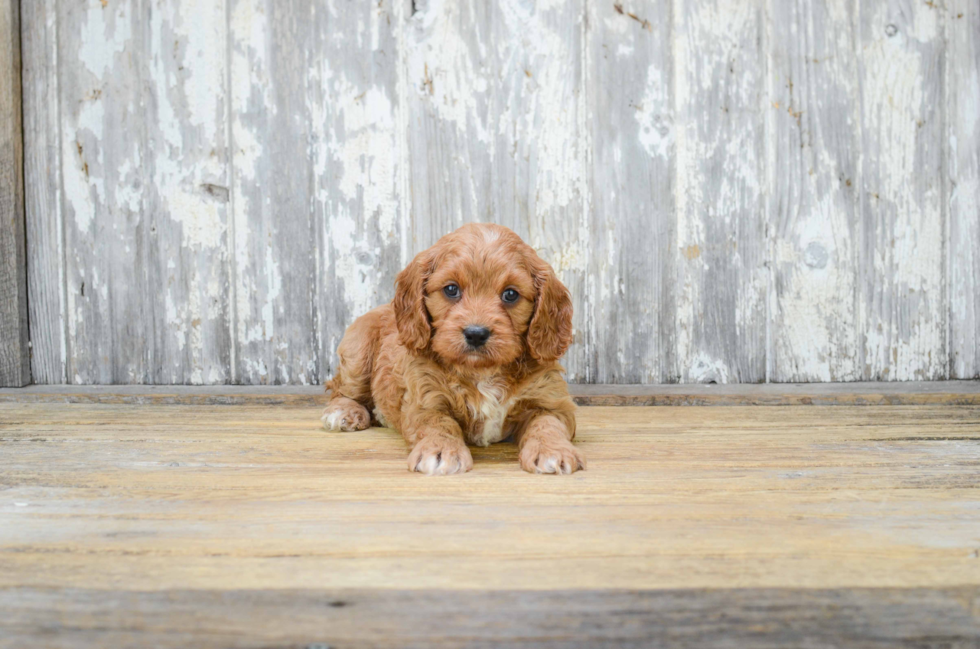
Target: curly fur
column 408, row 362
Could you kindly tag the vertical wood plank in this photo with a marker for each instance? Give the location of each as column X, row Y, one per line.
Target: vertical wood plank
column 633, row 228
column 15, row 362
column 498, row 132
column 539, row 146
column 814, row 200
column 102, row 149
column 902, row 308
column 358, row 152
column 274, row 233
column 721, row 251
column 963, row 189
column 145, row 181
column 449, row 86
column 42, row 182
column 184, row 201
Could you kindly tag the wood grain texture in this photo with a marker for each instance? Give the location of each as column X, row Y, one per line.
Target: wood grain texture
column 43, row 202
column 15, row 361
column 497, row 133
column 182, row 192
column 903, row 393
column 449, row 82
column 540, row 177
column 733, row 192
column 814, row 202
column 297, row 619
column 902, row 310
column 724, row 521
column 274, row 231
column 359, row 150
column 962, row 135
column 634, row 223
column 106, row 233
column 720, row 253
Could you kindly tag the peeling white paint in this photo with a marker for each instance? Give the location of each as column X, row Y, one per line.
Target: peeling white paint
column 202, row 225
column 204, row 36
column 653, row 115
column 441, row 67
column 368, row 158
column 570, row 258
column 101, row 40
column 904, row 325
column 705, row 369
column 512, row 117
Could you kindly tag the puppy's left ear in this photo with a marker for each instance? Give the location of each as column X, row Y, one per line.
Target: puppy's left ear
column 550, row 332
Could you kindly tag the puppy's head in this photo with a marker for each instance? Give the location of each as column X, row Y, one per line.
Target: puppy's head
column 481, row 297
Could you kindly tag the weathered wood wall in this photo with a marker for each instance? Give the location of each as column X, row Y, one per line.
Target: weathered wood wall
column 15, row 363
column 734, row 191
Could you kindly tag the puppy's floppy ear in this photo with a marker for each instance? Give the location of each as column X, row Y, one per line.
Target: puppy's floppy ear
column 550, row 332
column 411, row 315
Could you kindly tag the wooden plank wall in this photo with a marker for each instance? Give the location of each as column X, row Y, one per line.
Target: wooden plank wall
column 15, row 364
column 761, row 190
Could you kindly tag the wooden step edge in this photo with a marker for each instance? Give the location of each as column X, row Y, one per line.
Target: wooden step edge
column 952, row 393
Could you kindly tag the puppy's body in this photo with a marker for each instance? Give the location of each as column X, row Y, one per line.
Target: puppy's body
column 418, row 366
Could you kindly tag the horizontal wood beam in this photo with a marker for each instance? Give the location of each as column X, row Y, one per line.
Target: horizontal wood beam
column 751, row 617
column 772, row 394
column 15, row 360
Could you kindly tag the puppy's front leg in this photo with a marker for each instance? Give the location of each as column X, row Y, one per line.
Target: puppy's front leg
column 437, row 444
column 546, row 447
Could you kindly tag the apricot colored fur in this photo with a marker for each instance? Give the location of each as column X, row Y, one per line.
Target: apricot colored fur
column 409, row 365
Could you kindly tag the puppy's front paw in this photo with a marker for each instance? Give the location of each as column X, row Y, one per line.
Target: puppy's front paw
column 440, row 455
column 346, row 415
column 551, row 456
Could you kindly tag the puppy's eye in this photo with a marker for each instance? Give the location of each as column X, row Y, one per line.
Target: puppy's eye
column 451, row 291
column 510, row 296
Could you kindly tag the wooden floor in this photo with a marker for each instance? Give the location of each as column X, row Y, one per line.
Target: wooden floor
column 248, row 526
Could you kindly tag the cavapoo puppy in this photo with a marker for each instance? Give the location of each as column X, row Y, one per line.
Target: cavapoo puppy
column 466, row 353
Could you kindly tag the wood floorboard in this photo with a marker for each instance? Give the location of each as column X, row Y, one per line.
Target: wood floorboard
column 211, row 526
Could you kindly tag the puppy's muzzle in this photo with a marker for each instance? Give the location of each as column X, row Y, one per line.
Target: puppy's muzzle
column 476, row 337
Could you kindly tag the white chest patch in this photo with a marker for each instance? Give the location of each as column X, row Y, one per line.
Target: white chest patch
column 491, row 413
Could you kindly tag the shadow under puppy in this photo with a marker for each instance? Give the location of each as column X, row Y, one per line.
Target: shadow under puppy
column 466, row 352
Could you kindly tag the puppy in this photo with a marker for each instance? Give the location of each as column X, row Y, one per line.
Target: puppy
column 465, row 353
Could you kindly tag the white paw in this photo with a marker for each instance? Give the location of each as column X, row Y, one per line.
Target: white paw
column 557, row 457
column 440, row 456
column 349, row 416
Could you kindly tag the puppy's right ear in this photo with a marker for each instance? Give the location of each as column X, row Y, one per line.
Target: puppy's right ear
column 411, row 315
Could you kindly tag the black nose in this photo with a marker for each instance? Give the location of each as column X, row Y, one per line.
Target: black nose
column 476, row 336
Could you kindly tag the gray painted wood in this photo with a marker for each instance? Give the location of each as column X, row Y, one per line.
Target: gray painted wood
column 448, row 82
column 962, row 135
column 143, row 178
column 756, row 617
column 42, row 182
column 721, row 283
column 902, row 312
column 497, row 132
column 814, row 197
column 733, row 192
column 274, row 232
column 539, row 140
column 15, row 363
column 182, row 182
column 359, row 153
column 634, row 226
column 102, row 123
